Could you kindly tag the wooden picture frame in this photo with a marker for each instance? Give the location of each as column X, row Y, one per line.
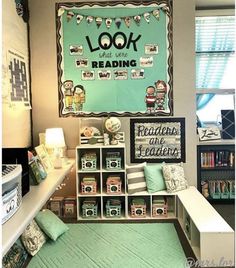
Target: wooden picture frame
column 157, row 140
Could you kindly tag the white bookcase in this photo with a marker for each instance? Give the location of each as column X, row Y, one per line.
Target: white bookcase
column 105, row 161
column 101, row 172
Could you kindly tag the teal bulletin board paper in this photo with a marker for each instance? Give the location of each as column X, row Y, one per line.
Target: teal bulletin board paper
column 123, row 96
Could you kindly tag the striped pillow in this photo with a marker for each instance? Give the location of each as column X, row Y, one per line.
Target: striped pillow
column 135, row 178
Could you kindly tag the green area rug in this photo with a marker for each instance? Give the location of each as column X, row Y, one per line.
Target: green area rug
column 113, row 245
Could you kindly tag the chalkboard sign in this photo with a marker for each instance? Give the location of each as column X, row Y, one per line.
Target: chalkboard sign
column 114, row 58
column 157, row 140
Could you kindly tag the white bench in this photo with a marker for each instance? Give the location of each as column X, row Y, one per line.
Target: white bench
column 209, row 235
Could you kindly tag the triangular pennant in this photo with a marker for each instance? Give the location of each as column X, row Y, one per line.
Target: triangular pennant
column 162, row 5
column 89, row 19
column 127, row 21
column 19, row 9
column 165, row 7
column 79, row 18
column 147, row 16
column 60, row 11
column 137, row 19
column 118, row 22
column 98, row 21
column 108, row 22
column 156, row 14
column 70, row 15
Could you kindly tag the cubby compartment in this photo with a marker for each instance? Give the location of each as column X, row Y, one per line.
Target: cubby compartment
column 88, row 159
column 187, row 224
column 113, row 183
column 163, row 206
column 195, row 239
column 114, row 207
column 159, row 206
column 113, row 159
column 89, row 183
column 180, row 213
column 139, row 207
column 171, row 201
column 89, row 208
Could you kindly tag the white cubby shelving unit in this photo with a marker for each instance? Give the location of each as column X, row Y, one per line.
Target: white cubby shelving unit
column 101, row 174
column 100, row 171
column 209, row 235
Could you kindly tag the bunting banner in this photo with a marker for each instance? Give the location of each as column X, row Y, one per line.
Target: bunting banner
column 114, row 59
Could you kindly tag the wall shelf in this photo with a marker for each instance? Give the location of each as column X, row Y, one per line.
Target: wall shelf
column 32, row 202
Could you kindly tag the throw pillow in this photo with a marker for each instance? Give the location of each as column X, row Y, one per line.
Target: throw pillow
column 50, row 224
column 15, row 257
column 174, row 177
column 154, row 178
column 33, row 238
column 135, row 178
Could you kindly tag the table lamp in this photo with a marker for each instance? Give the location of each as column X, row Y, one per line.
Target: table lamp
column 54, row 139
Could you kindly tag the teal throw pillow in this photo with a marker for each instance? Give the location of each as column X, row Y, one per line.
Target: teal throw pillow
column 50, row 224
column 154, row 178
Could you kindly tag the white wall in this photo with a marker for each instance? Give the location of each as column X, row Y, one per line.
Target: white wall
column 44, row 76
column 16, row 129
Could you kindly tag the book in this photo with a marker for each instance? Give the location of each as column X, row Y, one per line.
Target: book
column 36, row 171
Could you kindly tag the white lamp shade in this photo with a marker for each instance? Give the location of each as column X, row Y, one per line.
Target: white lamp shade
column 54, row 138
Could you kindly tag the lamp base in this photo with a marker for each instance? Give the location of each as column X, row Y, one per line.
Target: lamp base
column 57, row 162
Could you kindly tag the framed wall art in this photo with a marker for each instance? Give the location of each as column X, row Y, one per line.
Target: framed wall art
column 210, row 133
column 157, row 140
column 114, row 58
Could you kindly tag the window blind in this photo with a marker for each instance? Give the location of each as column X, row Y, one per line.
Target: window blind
column 215, row 52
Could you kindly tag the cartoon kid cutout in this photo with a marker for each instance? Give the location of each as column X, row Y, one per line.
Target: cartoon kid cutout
column 68, row 93
column 150, row 99
column 79, row 97
column 161, row 89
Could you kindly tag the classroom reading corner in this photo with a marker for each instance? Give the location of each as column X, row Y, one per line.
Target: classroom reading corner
column 118, row 134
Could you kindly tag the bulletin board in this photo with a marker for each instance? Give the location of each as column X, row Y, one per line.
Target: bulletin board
column 114, row 58
column 157, row 140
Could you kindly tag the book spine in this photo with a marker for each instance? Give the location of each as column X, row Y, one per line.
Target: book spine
column 216, row 159
column 212, row 159
column 231, row 159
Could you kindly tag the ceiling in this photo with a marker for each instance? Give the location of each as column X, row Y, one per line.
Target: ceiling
column 215, row 3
